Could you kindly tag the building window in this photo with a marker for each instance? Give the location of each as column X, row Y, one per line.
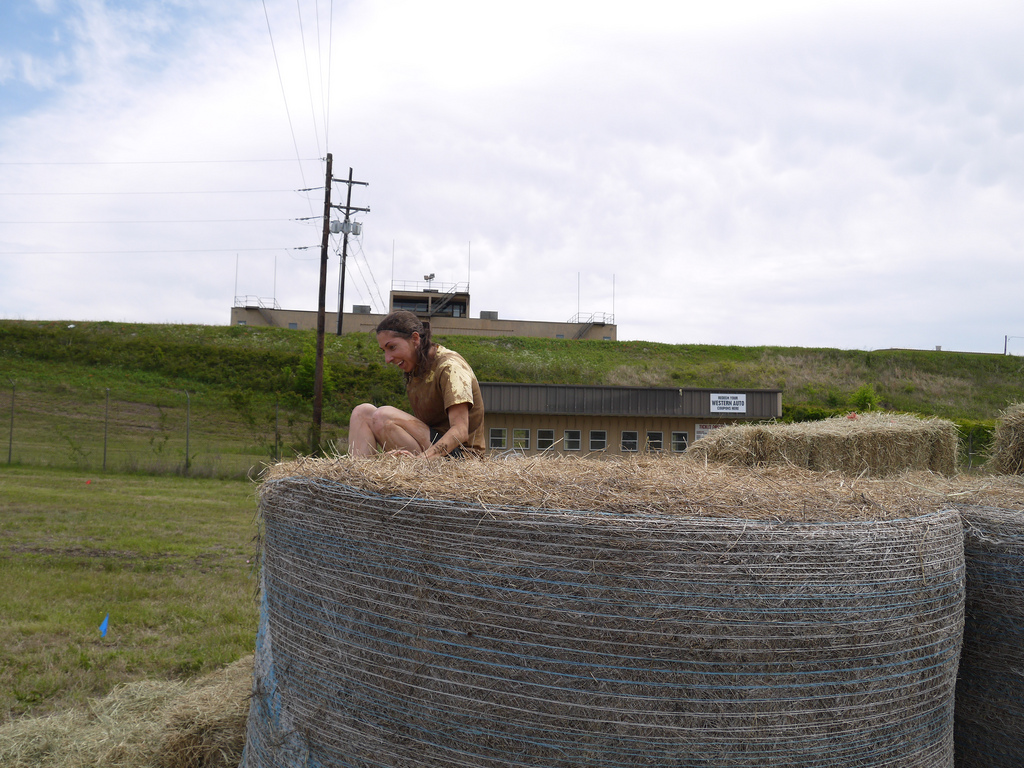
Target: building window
column 293, row 326
column 497, row 438
column 679, row 441
column 521, row 439
column 241, row 322
column 573, row 439
column 410, row 305
column 655, row 441
column 452, row 310
column 559, row 335
column 598, row 439
column 545, row 439
column 630, row 442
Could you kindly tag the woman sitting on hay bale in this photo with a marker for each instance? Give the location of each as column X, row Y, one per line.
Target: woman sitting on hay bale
column 447, row 416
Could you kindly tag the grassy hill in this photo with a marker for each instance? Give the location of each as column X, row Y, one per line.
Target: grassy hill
column 219, row 399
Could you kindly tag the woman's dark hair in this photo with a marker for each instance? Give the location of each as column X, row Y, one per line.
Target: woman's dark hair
column 405, row 324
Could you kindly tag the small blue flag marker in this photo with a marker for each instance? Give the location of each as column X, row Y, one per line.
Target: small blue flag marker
column 103, row 626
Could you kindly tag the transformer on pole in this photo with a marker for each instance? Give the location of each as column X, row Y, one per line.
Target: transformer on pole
column 346, row 228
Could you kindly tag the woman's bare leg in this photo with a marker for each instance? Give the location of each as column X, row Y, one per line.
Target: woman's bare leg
column 387, row 428
column 361, row 440
column 397, row 430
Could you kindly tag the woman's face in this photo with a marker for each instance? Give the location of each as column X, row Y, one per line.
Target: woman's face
column 399, row 350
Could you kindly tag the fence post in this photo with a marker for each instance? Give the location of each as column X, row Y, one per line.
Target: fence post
column 106, row 419
column 188, row 416
column 277, row 434
column 10, row 439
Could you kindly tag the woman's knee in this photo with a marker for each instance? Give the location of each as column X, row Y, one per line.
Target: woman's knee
column 363, row 412
column 382, row 418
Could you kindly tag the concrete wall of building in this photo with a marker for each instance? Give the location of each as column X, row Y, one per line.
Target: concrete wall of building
column 441, row 326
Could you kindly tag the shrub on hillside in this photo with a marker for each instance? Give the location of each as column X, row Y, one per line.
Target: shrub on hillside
column 864, row 398
column 305, row 374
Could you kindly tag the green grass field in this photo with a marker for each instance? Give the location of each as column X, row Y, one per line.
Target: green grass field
column 219, row 401
column 126, row 492
column 170, row 559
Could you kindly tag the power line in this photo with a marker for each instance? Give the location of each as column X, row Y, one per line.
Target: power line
column 362, row 274
column 284, row 96
column 320, row 69
column 152, row 162
column 136, row 251
column 152, row 221
column 330, row 64
column 373, row 277
column 309, row 82
column 158, row 192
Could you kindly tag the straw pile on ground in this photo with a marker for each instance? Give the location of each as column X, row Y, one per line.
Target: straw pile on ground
column 588, row 613
column 151, row 724
column 1008, row 441
column 877, row 443
column 990, row 690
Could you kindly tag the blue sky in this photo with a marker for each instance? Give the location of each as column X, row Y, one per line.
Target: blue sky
column 839, row 174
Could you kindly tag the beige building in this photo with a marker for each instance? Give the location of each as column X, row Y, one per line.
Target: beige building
column 536, row 418
column 445, row 307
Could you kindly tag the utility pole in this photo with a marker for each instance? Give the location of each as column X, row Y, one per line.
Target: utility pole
column 318, row 376
column 346, row 228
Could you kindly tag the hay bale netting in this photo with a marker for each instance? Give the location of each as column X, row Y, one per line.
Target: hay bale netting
column 1008, row 441
column 990, row 688
column 622, row 614
column 876, row 443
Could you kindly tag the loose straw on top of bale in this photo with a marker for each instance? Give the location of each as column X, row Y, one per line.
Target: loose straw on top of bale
column 629, row 486
column 593, row 613
column 977, row 490
column 1008, row 441
column 149, row 724
column 875, row 443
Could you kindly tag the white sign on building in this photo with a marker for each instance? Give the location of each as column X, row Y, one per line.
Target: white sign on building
column 703, row 429
column 729, row 403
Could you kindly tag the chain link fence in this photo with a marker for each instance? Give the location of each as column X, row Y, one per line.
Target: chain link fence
column 179, row 432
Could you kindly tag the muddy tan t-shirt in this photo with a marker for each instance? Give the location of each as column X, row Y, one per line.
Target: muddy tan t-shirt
column 451, row 381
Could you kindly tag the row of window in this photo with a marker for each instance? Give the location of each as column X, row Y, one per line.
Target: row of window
column 423, row 307
column 572, row 440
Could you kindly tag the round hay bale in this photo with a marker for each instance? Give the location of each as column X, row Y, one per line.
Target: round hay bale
column 990, row 689
column 1008, row 441
column 876, row 443
column 401, row 629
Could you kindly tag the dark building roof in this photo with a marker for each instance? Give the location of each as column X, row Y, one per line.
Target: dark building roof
column 570, row 399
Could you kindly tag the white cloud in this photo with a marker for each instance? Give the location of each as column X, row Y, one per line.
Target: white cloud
column 796, row 173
